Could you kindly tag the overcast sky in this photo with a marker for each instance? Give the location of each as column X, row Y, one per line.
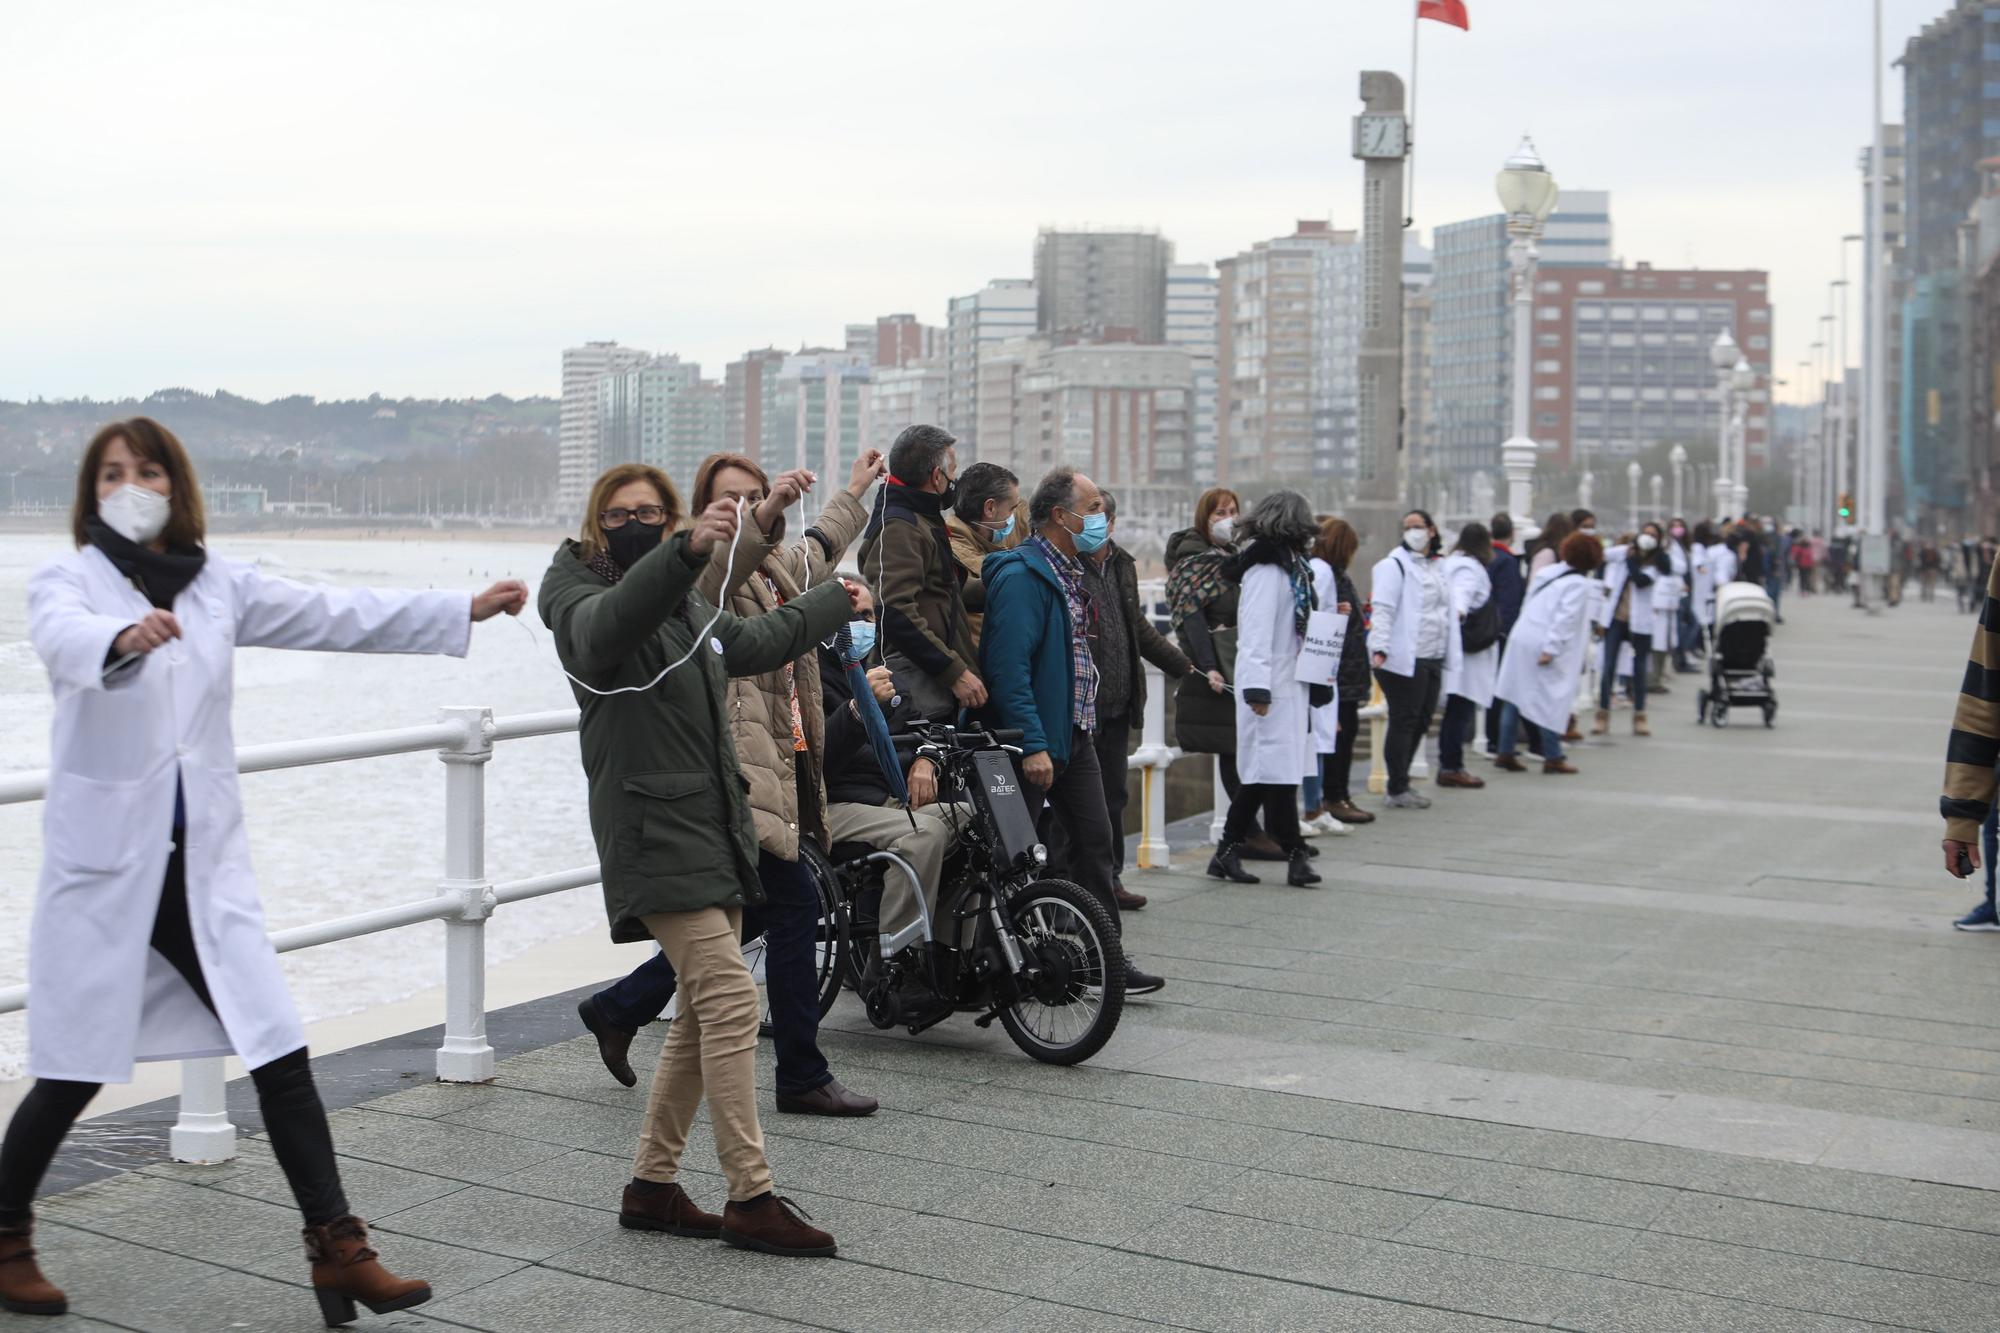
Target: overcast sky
column 433, row 199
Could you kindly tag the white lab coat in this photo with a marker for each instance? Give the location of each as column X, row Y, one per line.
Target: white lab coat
column 1325, row 718
column 1278, row 746
column 1552, row 620
column 1397, row 604
column 1641, row 614
column 99, row 998
column 1721, row 570
column 1473, row 674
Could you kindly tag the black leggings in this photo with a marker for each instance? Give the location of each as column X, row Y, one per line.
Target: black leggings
column 1336, row 770
column 294, row 1117
column 1280, row 803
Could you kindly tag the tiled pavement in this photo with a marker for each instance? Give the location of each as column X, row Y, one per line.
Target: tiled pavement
column 1681, row 1044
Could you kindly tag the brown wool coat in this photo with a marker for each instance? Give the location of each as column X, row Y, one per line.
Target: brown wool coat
column 759, row 707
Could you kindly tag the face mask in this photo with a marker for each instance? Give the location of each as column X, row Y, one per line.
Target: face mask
column 861, row 639
column 1588, row 532
column 1417, row 539
column 631, row 542
column 1096, row 532
column 1223, row 530
column 134, row 513
column 1004, row 531
column 1647, row 541
column 949, row 493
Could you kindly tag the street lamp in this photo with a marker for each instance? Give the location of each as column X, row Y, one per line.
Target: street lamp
column 1678, row 456
column 1527, row 196
column 1632, row 473
column 1742, row 379
column 1723, row 356
column 1653, row 484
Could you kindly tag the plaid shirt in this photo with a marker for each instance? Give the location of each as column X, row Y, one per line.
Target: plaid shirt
column 1082, row 619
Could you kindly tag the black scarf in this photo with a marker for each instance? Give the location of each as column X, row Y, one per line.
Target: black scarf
column 159, row 574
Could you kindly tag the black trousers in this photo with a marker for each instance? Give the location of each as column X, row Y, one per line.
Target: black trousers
column 1076, row 807
column 1279, row 803
column 1337, row 769
column 294, row 1117
column 1412, row 699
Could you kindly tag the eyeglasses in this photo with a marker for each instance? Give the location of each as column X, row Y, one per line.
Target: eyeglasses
column 651, row 515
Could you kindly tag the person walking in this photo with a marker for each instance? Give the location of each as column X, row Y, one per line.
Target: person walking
column 650, row 660
column 906, row 554
column 1545, row 657
column 1335, row 550
column 1036, row 650
column 1630, row 573
column 1971, row 756
column 777, row 724
column 1123, row 634
column 1929, row 562
column 1412, row 642
column 1273, row 723
column 1468, row 685
column 147, row 939
column 985, row 516
column 1509, row 585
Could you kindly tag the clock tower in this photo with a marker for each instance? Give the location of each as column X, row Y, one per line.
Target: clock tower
column 1381, row 141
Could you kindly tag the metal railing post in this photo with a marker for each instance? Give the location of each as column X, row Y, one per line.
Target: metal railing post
column 202, row 1133
column 1153, row 757
column 466, row 1056
column 1376, row 713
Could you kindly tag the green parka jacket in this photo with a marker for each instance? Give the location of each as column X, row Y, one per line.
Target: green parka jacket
column 668, row 804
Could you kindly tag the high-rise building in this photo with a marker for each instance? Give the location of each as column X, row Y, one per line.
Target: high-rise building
column 577, row 452
column 900, row 396
column 659, row 412
column 1288, row 318
column 1471, row 364
column 1420, row 471
column 1118, row 412
column 902, row 340
column 816, row 415
column 1002, row 309
column 1102, row 285
column 1951, row 121
column 747, row 383
column 1191, row 295
column 1621, row 360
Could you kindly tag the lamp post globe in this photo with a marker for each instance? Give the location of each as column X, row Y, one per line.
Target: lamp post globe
column 1526, row 187
column 1743, row 378
column 1528, row 195
column 1632, row 474
column 1678, row 456
column 1724, row 354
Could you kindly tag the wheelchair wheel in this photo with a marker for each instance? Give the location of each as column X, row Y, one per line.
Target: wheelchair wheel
column 830, row 941
column 1073, row 1009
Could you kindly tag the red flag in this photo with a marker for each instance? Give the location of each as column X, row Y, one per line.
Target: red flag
column 1445, row 11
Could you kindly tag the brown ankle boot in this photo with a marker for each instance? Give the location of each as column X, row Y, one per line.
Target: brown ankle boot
column 1639, row 727
column 23, row 1289
column 768, row 1223
column 345, row 1270
column 666, row 1208
column 1558, row 766
column 1603, row 723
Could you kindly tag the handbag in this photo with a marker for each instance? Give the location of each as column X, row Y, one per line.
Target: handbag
column 929, row 699
column 1480, row 629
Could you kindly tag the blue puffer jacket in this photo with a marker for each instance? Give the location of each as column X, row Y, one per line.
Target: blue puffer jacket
column 1024, row 653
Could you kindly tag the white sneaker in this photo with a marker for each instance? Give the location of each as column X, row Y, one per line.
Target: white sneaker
column 1320, row 825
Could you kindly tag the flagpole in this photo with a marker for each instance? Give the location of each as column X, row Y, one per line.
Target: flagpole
column 1410, row 132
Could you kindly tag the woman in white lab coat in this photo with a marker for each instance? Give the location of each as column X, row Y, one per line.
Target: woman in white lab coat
column 148, row 940
column 1412, row 643
column 1468, row 684
column 1274, row 744
column 1317, row 819
column 1545, row 654
column 1627, row 617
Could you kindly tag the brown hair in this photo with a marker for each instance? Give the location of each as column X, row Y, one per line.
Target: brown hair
column 187, row 522
column 1210, row 501
column 1337, row 542
column 591, row 538
column 1582, row 552
column 704, row 478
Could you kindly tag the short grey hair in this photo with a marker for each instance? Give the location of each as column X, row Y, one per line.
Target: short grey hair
column 1055, row 491
column 1283, row 517
column 1110, row 504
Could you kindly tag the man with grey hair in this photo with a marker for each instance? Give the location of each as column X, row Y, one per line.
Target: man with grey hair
column 1035, row 649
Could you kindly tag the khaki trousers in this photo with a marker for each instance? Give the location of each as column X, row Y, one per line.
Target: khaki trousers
column 886, row 828
column 712, row 1046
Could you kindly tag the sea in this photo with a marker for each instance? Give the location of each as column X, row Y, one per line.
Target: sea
column 332, row 840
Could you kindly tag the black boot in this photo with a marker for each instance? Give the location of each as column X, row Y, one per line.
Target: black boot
column 1227, row 863
column 1300, row 872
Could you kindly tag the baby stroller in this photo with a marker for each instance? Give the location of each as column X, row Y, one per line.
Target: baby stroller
column 1739, row 668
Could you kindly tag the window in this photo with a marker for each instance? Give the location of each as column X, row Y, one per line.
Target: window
column 1589, row 391
column 1548, row 366
column 1624, row 312
column 1687, row 314
column 1548, row 312
column 1549, row 392
column 1761, row 315
column 1759, row 342
column 1654, row 312
column 1724, row 285
column 1548, row 340
column 1591, row 311
column 1623, row 339
column 1546, row 286
column 1591, row 288
column 1548, row 418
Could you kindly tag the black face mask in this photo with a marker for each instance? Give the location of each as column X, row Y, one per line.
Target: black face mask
column 949, row 494
column 629, row 543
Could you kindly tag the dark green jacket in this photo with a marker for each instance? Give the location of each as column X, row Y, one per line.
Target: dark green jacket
column 1142, row 638
column 668, row 806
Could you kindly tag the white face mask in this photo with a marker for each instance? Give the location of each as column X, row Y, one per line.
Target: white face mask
column 1647, row 541
column 134, row 513
column 1223, row 529
column 1417, row 539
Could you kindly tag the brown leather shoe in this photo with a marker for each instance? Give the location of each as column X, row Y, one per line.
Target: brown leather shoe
column 1260, row 846
column 1602, row 726
column 1559, row 766
column 23, row 1289
column 1127, row 902
column 1639, row 727
column 1347, row 812
column 829, row 1098
column 1459, row 778
column 774, row 1226
column 666, row 1208
column 345, row 1270
column 614, row 1043
column 1508, row 763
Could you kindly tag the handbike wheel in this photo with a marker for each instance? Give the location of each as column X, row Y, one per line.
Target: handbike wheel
column 830, row 941
column 1068, row 1015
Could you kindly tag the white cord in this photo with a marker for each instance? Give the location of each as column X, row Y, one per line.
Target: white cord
column 682, row 660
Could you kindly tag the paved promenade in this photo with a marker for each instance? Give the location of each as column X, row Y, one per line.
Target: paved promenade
column 1684, row 1043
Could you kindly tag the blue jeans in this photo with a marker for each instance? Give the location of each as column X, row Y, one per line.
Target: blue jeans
column 1511, row 722
column 1989, row 846
column 1642, row 651
column 1460, row 715
column 789, row 922
column 1311, row 792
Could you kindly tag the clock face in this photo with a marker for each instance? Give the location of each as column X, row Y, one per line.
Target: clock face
column 1379, row 136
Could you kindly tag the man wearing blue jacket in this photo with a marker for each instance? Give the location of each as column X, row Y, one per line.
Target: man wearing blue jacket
column 1034, row 654
column 1508, row 587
